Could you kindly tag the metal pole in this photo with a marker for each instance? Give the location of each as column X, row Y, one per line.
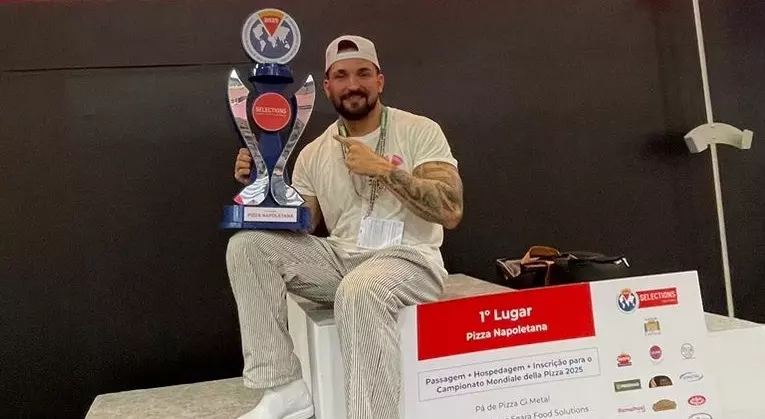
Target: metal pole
column 715, row 164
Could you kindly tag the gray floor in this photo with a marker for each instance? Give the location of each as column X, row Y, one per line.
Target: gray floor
column 222, row 399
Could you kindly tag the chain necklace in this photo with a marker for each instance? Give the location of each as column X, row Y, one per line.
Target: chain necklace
column 372, row 181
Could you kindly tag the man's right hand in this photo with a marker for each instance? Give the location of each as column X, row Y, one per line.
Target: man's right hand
column 243, row 166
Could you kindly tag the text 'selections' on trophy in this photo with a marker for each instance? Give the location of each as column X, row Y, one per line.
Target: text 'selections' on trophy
column 271, row 111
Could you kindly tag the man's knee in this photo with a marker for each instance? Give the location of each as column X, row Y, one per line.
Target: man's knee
column 358, row 288
column 247, row 244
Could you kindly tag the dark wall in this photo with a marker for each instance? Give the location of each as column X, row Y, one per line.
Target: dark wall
column 116, row 152
column 735, row 33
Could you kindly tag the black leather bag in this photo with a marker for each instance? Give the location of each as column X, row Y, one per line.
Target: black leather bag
column 545, row 266
column 576, row 267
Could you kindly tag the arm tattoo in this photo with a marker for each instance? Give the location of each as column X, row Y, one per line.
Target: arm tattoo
column 433, row 192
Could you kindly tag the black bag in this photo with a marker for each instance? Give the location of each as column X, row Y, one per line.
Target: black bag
column 545, row 266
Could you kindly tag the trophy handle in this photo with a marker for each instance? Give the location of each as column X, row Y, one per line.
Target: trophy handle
column 284, row 194
column 255, row 192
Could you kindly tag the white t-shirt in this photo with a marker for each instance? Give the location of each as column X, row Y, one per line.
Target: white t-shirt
column 320, row 171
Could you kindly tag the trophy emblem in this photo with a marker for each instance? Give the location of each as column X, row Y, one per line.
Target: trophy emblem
column 269, row 125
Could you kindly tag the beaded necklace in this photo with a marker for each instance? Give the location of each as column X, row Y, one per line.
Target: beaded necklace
column 373, row 182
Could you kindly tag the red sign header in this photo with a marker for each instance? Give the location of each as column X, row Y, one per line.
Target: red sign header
column 495, row 321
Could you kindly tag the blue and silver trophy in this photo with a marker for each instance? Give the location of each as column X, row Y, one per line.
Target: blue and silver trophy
column 272, row 39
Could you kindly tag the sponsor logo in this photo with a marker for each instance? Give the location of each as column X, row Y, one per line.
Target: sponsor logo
column 652, row 326
column 660, row 381
column 697, row 400
column 687, row 351
column 656, row 353
column 664, row 404
column 691, row 376
column 627, row 301
column 271, row 111
column 657, row 298
column 627, row 385
column 623, row 360
column 700, row 416
column 631, row 409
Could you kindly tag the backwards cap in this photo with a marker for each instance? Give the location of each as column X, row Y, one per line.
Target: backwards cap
column 354, row 47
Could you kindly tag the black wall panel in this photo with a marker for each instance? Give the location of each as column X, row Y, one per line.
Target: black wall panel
column 116, row 153
column 116, row 182
column 735, row 37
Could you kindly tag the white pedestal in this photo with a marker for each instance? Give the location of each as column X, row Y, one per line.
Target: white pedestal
column 737, row 348
column 313, row 331
column 314, row 334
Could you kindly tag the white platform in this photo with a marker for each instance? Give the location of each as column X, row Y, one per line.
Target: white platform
column 738, row 347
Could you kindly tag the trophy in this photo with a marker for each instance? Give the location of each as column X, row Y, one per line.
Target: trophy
column 271, row 38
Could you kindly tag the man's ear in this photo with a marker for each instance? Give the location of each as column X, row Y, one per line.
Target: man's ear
column 380, row 83
column 326, row 88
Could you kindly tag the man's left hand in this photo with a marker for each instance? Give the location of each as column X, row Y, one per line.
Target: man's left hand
column 362, row 160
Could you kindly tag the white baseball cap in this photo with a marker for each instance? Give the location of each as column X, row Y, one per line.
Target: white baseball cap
column 360, row 47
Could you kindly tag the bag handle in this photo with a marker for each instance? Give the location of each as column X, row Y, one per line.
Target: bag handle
column 540, row 257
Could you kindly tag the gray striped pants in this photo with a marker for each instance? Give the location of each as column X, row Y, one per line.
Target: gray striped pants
column 368, row 290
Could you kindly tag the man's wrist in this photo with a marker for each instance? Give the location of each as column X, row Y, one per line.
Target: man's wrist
column 385, row 169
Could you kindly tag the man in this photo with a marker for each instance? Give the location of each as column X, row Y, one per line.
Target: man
column 386, row 184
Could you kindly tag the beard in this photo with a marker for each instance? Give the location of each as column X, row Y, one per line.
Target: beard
column 355, row 105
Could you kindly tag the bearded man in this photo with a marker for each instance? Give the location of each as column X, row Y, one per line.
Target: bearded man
column 385, row 183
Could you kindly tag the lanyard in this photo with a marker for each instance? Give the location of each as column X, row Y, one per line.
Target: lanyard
column 373, row 182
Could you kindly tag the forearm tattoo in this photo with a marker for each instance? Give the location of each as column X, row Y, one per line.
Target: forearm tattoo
column 433, row 191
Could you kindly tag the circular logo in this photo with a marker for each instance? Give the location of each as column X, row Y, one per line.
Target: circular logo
column 271, row 36
column 697, row 400
column 656, row 353
column 687, row 350
column 271, row 111
column 627, row 301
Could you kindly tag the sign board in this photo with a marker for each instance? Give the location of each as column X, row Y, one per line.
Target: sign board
column 601, row 350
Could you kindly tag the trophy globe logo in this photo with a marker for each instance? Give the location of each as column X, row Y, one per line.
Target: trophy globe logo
column 270, row 35
column 269, row 125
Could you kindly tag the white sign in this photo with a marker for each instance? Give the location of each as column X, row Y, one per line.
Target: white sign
column 270, row 214
column 600, row 350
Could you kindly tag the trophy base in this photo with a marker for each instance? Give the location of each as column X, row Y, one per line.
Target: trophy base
column 244, row 217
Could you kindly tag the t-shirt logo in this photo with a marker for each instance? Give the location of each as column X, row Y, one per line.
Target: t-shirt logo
column 396, row 160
